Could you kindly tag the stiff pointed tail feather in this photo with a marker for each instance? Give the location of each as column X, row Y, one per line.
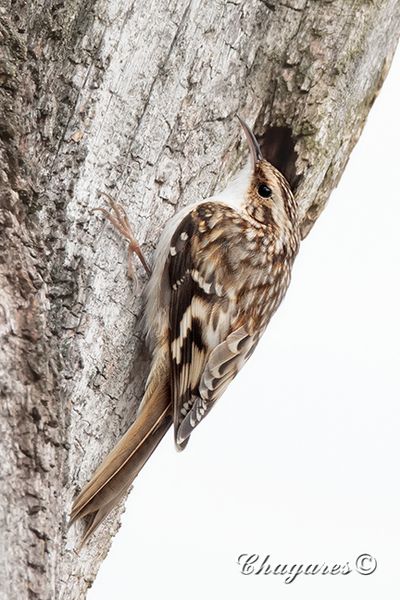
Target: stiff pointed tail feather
column 115, row 475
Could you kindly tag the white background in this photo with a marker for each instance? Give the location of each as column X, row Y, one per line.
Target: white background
column 300, row 459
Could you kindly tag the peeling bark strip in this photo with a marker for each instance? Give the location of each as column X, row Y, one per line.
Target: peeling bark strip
column 136, row 99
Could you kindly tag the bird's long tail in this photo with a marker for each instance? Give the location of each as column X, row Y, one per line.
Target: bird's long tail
column 118, row 470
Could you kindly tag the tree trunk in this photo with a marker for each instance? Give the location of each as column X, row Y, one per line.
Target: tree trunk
column 137, row 99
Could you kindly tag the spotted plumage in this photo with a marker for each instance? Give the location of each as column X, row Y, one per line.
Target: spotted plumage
column 221, row 270
column 226, row 279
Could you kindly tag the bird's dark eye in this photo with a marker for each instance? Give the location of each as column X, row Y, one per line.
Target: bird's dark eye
column 264, row 191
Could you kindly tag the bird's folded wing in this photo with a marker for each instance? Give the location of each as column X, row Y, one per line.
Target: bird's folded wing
column 207, row 347
column 223, row 364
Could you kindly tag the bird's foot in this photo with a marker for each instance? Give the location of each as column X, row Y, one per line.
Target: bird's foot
column 119, row 219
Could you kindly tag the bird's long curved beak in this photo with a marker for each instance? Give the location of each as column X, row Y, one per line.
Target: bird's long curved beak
column 255, row 149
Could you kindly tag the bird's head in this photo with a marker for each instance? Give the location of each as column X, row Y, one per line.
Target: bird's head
column 269, row 199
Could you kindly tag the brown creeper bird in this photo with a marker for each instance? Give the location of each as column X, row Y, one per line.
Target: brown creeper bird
column 221, row 269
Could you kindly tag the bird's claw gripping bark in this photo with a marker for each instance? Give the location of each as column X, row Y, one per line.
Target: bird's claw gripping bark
column 119, row 219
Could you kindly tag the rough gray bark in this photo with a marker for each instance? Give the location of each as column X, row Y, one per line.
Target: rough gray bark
column 136, row 99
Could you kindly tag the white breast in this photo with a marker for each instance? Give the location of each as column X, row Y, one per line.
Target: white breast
column 157, row 294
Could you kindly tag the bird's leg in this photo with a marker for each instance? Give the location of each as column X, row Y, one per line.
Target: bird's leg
column 118, row 217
